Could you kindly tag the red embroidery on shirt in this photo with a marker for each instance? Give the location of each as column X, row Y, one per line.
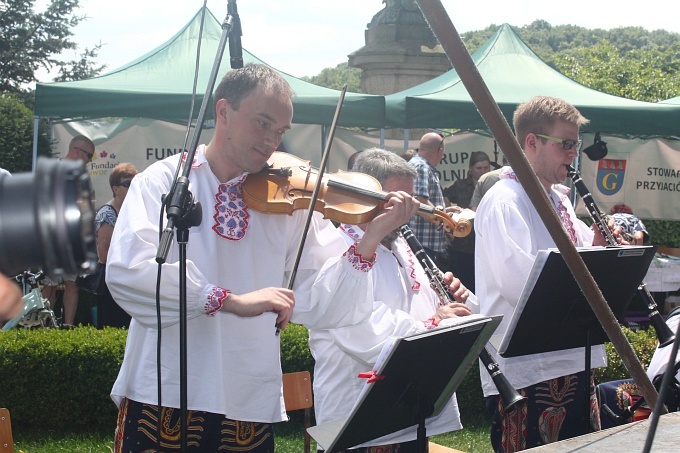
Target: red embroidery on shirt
column 216, row 300
column 357, row 261
column 412, row 270
column 231, row 212
column 566, row 220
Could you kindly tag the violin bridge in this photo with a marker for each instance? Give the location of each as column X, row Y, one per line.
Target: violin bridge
column 285, row 172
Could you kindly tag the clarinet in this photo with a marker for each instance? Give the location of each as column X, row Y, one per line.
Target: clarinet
column 510, row 397
column 663, row 332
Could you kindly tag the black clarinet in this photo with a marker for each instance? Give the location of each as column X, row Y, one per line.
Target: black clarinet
column 510, row 397
column 663, row 332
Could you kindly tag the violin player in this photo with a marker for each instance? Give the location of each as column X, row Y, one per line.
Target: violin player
column 405, row 304
column 238, row 260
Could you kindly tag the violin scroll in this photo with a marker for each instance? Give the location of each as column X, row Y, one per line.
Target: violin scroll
column 453, row 228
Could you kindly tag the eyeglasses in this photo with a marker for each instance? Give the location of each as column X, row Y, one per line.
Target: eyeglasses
column 125, row 183
column 88, row 154
column 566, row 144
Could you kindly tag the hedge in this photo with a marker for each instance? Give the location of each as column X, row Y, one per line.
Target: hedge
column 61, row 379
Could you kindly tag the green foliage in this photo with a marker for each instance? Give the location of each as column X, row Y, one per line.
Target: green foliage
column 29, row 40
column 664, row 232
column 641, row 74
column 295, row 354
column 16, row 134
column 59, row 379
column 336, row 77
column 629, row 61
column 643, row 343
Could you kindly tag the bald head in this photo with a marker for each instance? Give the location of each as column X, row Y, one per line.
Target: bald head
column 80, row 148
column 431, row 148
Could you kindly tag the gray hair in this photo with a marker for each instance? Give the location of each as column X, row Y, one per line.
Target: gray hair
column 383, row 165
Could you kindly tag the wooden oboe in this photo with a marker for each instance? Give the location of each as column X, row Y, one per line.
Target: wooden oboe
column 663, row 332
column 510, row 397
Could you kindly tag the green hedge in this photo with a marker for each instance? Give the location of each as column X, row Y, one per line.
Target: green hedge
column 663, row 232
column 61, row 379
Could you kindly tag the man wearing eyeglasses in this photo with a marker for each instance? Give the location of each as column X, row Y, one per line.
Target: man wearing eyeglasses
column 509, row 233
column 80, row 148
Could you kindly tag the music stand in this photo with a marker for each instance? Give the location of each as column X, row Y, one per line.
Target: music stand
column 414, row 382
column 553, row 314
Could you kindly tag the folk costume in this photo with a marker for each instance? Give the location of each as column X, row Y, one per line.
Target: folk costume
column 233, row 362
column 404, row 305
column 509, row 233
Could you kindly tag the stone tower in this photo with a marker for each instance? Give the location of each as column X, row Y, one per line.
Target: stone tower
column 400, row 52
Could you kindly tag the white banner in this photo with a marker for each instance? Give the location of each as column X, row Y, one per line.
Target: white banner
column 644, row 174
column 143, row 141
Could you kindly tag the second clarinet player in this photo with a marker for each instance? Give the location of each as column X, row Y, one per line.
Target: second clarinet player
column 509, row 234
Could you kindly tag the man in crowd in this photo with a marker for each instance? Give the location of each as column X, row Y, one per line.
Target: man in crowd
column 461, row 251
column 238, row 263
column 405, row 304
column 429, row 191
column 509, row 233
column 80, row 148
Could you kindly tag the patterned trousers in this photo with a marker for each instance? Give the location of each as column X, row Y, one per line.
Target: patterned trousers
column 137, row 431
column 556, row 410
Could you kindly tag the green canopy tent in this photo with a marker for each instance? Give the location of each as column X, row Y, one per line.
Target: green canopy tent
column 675, row 100
column 514, row 74
column 159, row 85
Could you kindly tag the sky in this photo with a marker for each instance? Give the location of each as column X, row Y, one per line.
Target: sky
column 302, row 37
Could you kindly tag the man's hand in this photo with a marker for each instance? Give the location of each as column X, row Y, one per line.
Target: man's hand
column 277, row 300
column 598, row 238
column 459, row 292
column 397, row 211
column 451, row 310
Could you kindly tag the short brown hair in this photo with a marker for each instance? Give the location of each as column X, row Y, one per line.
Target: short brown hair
column 122, row 172
column 237, row 84
column 541, row 113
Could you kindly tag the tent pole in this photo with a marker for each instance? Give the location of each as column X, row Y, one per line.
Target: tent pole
column 36, row 122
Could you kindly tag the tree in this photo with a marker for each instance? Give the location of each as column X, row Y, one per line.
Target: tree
column 336, row 77
column 30, row 41
column 641, row 74
column 16, row 124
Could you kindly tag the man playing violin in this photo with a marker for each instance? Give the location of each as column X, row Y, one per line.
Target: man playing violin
column 238, row 262
column 509, row 234
column 405, row 304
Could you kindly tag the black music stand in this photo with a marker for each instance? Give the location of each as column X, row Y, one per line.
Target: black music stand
column 553, row 314
column 416, row 380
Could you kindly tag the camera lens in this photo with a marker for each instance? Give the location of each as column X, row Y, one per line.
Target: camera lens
column 47, row 219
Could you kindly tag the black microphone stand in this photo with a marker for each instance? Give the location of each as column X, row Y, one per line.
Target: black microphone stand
column 183, row 213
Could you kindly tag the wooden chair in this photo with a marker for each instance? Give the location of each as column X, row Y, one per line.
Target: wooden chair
column 436, row 448
column 6, row 442
column 297, row 394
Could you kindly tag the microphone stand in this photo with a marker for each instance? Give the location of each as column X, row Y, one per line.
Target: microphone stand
column 183, row 213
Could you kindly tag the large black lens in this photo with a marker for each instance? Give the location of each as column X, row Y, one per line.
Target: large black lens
column 47, row 219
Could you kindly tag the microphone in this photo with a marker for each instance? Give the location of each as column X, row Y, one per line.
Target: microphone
column 235, row 47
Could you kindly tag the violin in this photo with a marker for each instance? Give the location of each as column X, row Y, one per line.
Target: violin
column 287, row 183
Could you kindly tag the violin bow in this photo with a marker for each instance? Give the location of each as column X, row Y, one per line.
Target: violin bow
column 315, row 193
column 448, row 37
